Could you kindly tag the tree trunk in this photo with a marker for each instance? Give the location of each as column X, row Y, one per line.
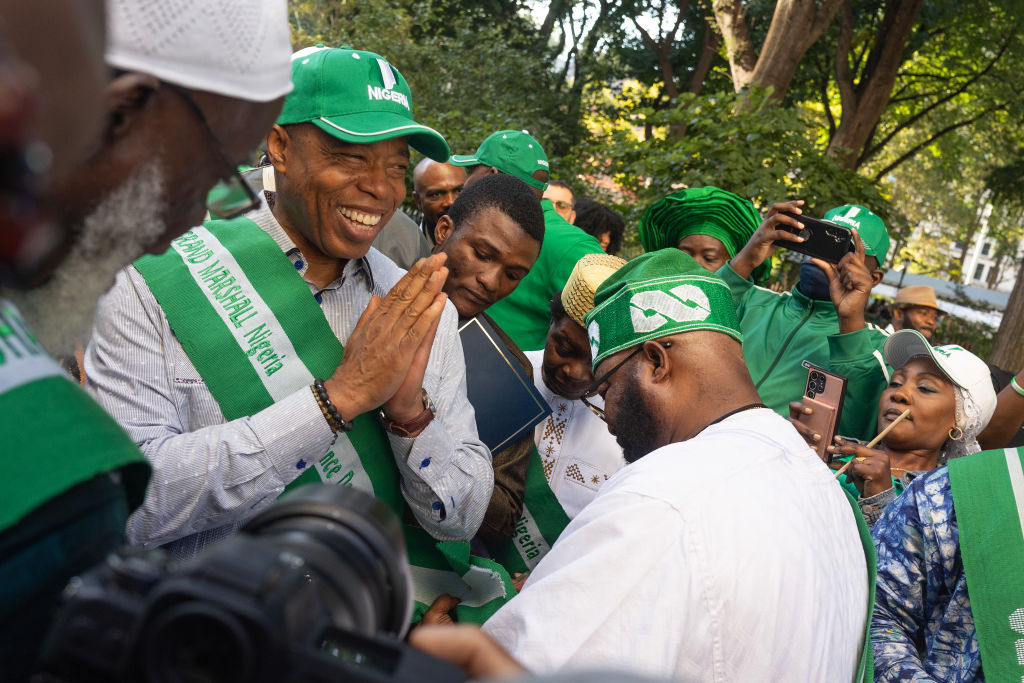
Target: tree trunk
column 796, row 25
column 1007, row 348
column 707, row 57
column 864, row 102
column 736, row 34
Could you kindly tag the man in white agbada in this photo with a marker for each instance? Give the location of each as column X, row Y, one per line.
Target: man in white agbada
column 725, row 551
column 578, row 453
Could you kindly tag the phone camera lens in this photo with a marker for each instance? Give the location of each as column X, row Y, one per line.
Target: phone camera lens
column 810, row 393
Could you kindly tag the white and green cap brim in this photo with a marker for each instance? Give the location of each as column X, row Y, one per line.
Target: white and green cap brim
column 656, row 295
column 366, row 128
column 959, row 365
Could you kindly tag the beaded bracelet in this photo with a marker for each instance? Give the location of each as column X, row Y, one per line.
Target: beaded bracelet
column 1016, row 387
column 334, row 419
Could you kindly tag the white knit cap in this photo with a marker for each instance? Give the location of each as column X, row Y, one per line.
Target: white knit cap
column 237, row 48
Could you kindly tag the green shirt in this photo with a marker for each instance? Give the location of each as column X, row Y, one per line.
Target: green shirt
column 780, row 331
column 525, row 314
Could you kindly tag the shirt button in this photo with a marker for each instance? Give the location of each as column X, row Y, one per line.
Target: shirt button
column 426, row 461
column 299, row 264
column 436, row 506
column 319, row 298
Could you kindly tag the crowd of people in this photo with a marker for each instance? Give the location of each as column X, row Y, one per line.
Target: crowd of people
column 623, row 477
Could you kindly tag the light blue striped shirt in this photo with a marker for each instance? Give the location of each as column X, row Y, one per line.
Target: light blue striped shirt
column 210, row 476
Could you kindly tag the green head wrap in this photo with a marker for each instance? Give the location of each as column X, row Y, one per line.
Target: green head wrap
column 712, row 211
column 658, row 295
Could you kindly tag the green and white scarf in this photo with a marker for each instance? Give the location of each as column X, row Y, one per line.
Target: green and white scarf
column 540, row 525
column 988, row 497
column 52, row 434
column 254, row 332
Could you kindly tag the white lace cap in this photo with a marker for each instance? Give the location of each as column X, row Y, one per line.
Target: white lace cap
column 237, row 48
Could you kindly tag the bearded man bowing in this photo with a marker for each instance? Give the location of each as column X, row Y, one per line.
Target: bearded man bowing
column 724, row 550
column 221, row 357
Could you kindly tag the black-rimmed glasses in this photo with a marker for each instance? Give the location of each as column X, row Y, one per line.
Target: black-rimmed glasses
column 231, row 196
column 597, row 383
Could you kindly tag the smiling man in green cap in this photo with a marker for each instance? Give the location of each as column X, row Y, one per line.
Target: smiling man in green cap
column 223, row 357
column 525, row 314
column 821, row 320
column 715, row 485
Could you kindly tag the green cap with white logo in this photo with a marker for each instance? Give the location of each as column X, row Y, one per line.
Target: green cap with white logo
column 658, row 294
column 515, row 152
column 869, row 226
column 357, row 97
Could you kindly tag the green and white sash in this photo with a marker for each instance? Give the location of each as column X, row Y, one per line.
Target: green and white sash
column 988, row 497
column 52, row 434
column 542, row 521
column 254, row 332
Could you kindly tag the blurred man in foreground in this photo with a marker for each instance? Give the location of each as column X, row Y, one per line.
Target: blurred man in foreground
column 173, row 106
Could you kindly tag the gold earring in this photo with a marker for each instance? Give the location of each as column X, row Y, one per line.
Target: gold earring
column 959, row 433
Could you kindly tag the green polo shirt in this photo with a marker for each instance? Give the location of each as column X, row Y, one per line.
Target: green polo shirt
column 525, row 314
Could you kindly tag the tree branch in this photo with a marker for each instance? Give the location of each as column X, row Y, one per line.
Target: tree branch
column 903, row 125
column 921, row 145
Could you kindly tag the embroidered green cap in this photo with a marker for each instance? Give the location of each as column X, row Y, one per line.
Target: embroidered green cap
column 658, row 294
column 868, row 225
column 357, row 97
column 515, row 152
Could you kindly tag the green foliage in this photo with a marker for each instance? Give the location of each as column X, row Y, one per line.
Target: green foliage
column 767, row 154
column 469, row 74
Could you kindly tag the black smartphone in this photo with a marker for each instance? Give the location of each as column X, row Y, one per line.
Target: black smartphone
column 822, row 239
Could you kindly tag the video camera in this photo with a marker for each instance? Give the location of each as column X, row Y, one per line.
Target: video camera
column 315, row 588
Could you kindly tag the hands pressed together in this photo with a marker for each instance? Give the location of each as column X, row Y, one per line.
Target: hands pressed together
column 386, row 355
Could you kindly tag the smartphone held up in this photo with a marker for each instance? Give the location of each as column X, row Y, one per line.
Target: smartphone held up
column 823, row 239
column 824, row 395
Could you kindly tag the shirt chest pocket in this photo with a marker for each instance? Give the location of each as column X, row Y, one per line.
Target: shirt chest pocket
column 197, row 407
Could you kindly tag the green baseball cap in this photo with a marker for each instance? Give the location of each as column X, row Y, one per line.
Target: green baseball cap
column 658, row 294
column 357, row 97
column 515, row 152
column 868, row 225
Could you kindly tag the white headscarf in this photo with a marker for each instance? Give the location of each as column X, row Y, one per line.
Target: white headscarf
column 971, row 421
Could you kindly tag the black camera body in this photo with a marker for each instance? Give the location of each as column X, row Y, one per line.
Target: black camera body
column 316, row 588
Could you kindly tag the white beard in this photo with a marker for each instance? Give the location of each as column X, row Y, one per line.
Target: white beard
column 119, row 230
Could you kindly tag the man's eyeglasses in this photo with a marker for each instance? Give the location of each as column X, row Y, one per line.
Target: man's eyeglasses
column 597, row 383
column 232, row 196
column 564, row 206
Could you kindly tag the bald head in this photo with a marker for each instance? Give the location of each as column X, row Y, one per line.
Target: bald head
column 436, row 185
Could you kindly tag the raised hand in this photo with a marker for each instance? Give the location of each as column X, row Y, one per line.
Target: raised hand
column 850, row 284
column 761, row 244
column 870, row 469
